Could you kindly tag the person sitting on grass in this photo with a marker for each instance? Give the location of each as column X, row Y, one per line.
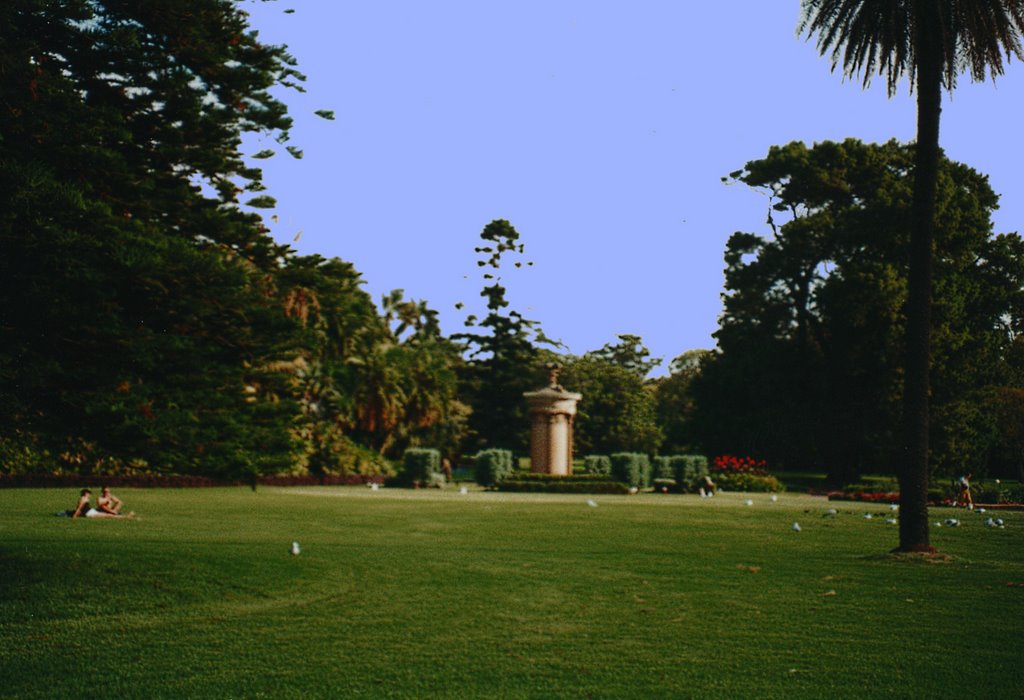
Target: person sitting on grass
column 84, row 509
column 108, row 502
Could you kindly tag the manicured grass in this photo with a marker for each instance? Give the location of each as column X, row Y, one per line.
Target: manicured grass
column 437, row 594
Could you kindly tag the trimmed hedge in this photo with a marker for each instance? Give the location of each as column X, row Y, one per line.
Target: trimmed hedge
column 664, row 485
column 748, row 482
column 632, row 468
column 493, row 467
column 422, row 467
column 597, row 464
column 685, row 470
column 692, row 469
column 992, row 493
column 663, row 469
column 49, row 481
column 558, row 478
column 552, row 483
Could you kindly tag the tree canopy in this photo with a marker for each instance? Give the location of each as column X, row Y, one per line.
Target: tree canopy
column 808, row 370
column 932, row 42
column 505, row 359
column 135, row 307
column 147, row 318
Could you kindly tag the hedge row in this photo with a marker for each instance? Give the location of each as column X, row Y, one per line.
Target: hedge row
column 685, row 470
column 493, row 467
column 632, row 468
column 564, row 484
column 748, row 482
column 597, row 464
column 155, row 481
column 559, row 478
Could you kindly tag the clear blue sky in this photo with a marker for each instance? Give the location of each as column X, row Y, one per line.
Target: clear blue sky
column 601, row 130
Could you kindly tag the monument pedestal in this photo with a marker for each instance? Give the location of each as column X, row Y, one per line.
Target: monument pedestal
column 552, row 410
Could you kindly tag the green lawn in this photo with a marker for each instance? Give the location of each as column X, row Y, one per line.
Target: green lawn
column 437, row 594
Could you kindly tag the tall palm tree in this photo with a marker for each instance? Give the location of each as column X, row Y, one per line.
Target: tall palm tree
column 932, row 42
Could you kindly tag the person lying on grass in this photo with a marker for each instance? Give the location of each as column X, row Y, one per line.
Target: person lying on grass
column 85, row 509
column 108, row 502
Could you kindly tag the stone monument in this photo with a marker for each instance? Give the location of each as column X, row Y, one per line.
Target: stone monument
column 551, row 414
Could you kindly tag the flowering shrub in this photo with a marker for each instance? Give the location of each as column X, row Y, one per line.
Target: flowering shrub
column 746, row 481
column 730, row 464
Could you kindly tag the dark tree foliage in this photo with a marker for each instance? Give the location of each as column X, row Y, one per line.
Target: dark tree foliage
column 629, row 353
column 1007, row 405
column 674, row 402
column 504, row 360
column 137, row 309
column 932, row 42
column 808, row 371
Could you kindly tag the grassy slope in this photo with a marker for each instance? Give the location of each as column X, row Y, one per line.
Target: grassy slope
column 415, row 594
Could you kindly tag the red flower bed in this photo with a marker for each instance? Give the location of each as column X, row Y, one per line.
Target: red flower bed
column 866, row 496
column 730, row 464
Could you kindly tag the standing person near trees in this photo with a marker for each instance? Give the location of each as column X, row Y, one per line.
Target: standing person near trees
column 963, row 486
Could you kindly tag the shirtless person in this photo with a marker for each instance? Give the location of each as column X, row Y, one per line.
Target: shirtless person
column 108, row 502
column 85, row 509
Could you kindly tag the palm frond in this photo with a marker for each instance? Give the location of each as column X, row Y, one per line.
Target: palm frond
column 889, row 37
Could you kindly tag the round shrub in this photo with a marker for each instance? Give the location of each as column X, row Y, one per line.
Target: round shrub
column 422, row 466
column 493, row 466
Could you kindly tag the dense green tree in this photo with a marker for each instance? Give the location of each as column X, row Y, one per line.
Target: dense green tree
column 135, row 307
column 371, row 384
column 504, row 360
column 932, row 41
column 674, row 402
column 409, row 397
column 808, row 370
column 617, row 412
column 1007, row 405
column 629, row 353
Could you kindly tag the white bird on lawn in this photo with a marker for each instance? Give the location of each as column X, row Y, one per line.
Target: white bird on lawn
column 463, row 490
column 774, row 498
column 831, row 513
column 374, row 486
column 891, row 521
column 868, row 516
column 295, row 548
column 981, row 510
column 894, row 506
column 748, row 502
column 592, row 503
column 952, row 522
column 796, row 527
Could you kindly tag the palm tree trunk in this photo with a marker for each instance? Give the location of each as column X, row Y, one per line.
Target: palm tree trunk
column 914, row 536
